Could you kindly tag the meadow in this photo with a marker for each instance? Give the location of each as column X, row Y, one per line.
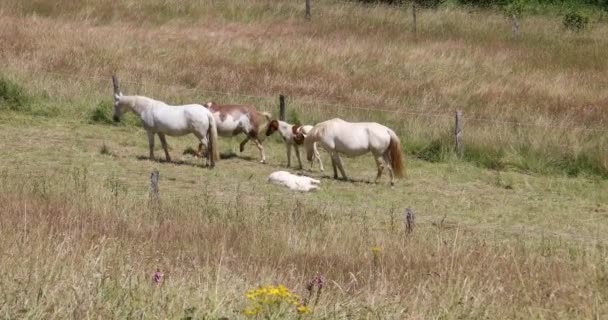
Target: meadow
column 516, row 229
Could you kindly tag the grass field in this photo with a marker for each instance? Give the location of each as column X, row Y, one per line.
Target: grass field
column 515, row 230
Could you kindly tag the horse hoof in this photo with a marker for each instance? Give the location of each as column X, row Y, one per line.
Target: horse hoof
column 263, row 161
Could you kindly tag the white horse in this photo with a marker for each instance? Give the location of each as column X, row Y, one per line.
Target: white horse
column 294, row 182
column 355, row 139
column 293, row 135
column 160, row 118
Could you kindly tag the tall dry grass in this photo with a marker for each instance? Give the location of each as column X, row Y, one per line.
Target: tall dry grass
column 79, row 246
column 549, row 79
column 72, row 247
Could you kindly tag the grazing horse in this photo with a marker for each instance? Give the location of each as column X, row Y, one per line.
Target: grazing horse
column 162, row 119
column 234, row 119
column 355, row 139
column 293, row 135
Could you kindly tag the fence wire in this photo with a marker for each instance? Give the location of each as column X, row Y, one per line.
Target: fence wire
column 336, row 106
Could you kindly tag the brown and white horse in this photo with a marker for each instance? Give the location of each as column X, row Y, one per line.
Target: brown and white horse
column 355, row 139
column 293, row 135
column 232, row 120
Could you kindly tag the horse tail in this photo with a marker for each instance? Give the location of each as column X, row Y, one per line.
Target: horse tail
column 213, row 147
column 267, row 115
column 396, row 154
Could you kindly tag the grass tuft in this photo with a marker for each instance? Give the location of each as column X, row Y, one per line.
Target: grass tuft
column 13, row 96
column 102, row 114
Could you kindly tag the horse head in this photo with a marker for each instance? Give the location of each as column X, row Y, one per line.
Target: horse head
column 272, row 127
column 117, row 109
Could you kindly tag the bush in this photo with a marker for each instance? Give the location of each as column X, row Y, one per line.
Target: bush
column 575, row 21
column 514, row 7
column 421, row 3
column 13, row 96
column 102, row 113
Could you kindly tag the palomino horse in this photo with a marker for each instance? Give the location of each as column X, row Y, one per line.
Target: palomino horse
column 162, row 119
column 293, row 135
column 355, row 139
column 234, row 119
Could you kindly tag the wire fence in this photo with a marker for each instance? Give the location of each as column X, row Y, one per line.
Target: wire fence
column 334, row 106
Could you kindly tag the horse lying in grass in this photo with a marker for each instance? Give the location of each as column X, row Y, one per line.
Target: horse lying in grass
column 294, row 182
column 235, row 119
column 293, row 135
column 160, row 118
column 355, row 139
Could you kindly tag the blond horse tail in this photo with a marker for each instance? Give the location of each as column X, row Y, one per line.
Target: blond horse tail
column 396, row 154
column 213, row 147
column 267, row 115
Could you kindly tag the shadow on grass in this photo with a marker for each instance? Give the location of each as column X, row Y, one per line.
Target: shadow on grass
column 175, row 162
column 351, row 180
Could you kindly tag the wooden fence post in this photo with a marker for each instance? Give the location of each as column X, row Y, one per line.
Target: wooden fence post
column 458, row 133
column 282, row 107
column 414, row 16
column 515, row 26
column 308, row 15
column 115, row 84
column 410, row 220
column 154, row 188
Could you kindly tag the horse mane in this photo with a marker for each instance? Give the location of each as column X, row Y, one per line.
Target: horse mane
column 295, row 128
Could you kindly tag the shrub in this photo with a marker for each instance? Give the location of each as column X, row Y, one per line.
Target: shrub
column 575, row 21
column 514, row 7
column 421, row 3
column 13, row 96
column 102, row 113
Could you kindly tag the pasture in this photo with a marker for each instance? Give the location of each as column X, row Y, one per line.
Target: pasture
column 512, row 233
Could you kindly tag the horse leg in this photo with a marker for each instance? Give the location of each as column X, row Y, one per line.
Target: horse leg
column 316, row 153
column 163, row 142
column 380, row 164
column 261, row 148
column 203, row 142
column 199, row 152
column 298, row 156
column 242, row 145
column 288, row 154
column 333, row 164
column 151, row 144
column 387, row 160
column 340, row 166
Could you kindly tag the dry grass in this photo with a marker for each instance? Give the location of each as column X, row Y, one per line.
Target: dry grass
column 549, row 79
column 79, row 238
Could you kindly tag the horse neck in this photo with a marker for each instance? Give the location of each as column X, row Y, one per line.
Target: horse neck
column 285, row 129
column 138, row 104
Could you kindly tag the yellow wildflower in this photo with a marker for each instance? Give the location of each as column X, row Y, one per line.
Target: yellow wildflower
column 303, row 309
column 376, row 250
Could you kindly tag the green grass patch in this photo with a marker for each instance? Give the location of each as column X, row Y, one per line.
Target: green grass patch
column 102, row 114
column 13, row 96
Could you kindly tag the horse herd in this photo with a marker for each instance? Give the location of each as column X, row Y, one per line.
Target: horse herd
column 211, row 120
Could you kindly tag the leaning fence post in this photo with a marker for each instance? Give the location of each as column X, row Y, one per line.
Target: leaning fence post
column 154, row 188
column 308, row 15
column 282, row 107
column 458, row 133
